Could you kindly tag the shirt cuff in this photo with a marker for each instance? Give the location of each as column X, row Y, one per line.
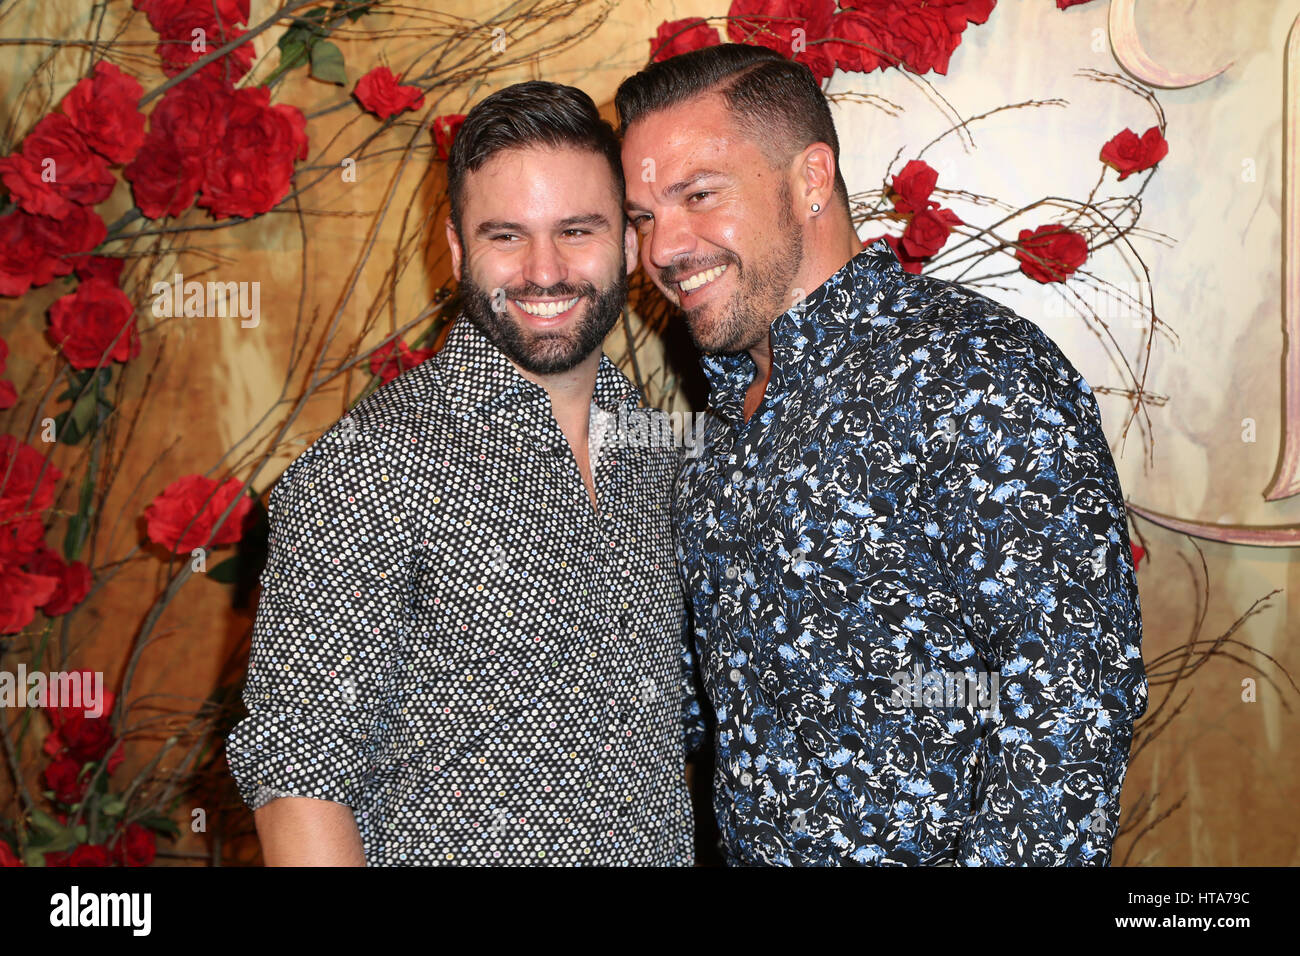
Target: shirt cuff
column 274, row 755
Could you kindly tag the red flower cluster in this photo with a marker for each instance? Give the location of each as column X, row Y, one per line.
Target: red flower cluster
column 391, row 360
column 75, row 741
column 183, row 516
column 1129, row 153
column 61, row 169
column 919, row 35
column 380, row 92
column 682, row 36
column 1051, row 253
column 189, row 30
column 231, row 146
column 928, row 225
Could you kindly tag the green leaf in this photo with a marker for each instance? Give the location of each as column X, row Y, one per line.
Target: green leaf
column 355, row 10
column 34, row 856
column 161, row 824
column 293, row 50
column 227, row 572
column 80, row 833
column 46, row 823
column 113, row 806
column 327, row 63
column 83, row 413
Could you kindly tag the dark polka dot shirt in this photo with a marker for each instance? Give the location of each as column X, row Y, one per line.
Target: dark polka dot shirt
column 452, row 641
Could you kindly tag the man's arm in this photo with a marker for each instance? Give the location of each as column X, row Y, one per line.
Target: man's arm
column 1029, row 523
column 299, row 831
column 329, row 626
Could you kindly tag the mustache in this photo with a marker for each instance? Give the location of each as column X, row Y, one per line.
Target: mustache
column 673, row 274
column 561, row 290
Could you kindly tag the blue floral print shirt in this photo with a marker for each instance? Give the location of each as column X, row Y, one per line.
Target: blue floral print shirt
column 913, row 594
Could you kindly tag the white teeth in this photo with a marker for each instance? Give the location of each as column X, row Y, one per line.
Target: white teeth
column 701, row 278
column 546, row 309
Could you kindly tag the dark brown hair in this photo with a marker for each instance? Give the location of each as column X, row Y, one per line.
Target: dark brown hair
column 536, row 113
column 775, row 101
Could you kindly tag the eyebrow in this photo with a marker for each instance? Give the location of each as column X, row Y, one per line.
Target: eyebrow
column 568, row 222
column 682, row 185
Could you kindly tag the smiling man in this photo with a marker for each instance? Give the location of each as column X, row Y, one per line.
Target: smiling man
column 468, row 648
column 904, row 540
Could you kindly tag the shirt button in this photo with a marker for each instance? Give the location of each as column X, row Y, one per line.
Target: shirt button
column 746, row 779
column 731, row 572
column 737, row 476
column 734, row 675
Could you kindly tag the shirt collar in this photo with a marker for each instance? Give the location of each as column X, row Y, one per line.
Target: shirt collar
column 808, row 335
column 477, row 376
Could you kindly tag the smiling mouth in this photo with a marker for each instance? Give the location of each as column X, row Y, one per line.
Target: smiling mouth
column 546, row 310
column 700, row 279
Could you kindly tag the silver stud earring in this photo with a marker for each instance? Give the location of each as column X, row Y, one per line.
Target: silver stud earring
column 817, row 207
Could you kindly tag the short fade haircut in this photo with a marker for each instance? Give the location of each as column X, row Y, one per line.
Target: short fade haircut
column 536, row 113
column 774, row 100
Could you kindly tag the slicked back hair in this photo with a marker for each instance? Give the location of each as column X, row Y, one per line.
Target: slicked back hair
column 536, row 113
column 775, row 101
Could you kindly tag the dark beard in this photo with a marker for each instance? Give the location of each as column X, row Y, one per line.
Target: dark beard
column 749, row 316
column 547, row 353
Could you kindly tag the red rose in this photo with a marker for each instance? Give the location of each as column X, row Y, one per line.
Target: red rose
column 912, row 187
column 921, row 35
column 55, row 150
column 1138, row 554
column 445, row 129
column 84, row 739
column 928, row 231
column 74, row 580
column 682, row 36
column 1051, row 253
column 7, row 856
column 32, row 248
column 1129, row 154
column 21, row 539
column 63, row 776
column 161, row 12
column 29, row 480
column 180, row 45
column 772, row 23
column 379, row 92
column 182, row 517
column 192, row 115
column 163, row 180
column 103, row 109
column 94, row 325
column 136, row 846
column 909, row 263
column 1064, row 4
column 88, row 855
column 21, row 594
column 8, row 394
column 855, row 43
column 387, row 365
column 253, row 168
column 108, row 268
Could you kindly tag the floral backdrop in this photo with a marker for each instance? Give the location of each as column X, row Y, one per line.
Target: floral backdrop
column 221, row 227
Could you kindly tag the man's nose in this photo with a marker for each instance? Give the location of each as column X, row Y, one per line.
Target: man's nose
column 670, row 239
column 544, row 265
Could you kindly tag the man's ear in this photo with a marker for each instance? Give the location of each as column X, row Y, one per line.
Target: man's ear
column 631, row 247
column 815, row 175
column 453, row 243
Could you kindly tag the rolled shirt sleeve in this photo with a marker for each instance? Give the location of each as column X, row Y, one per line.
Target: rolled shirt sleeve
column 1028, row 520
column 329, row 625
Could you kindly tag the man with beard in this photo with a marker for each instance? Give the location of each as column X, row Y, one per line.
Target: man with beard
column 904, row 540
column 468, row 648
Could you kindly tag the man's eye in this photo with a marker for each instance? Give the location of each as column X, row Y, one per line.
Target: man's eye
column 639, row 221
column 504, row 235
column 696, row 195
column 577, row 232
